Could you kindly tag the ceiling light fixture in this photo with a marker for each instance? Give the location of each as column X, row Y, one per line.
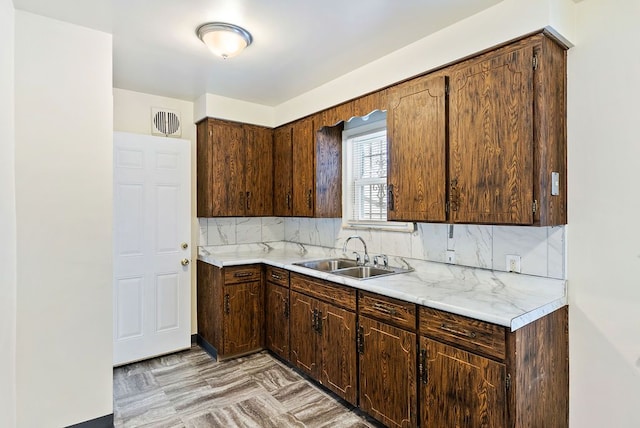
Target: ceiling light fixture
column 224, row 40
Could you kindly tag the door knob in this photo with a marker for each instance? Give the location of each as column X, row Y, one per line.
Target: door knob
column 184, row 262
column 184, row 245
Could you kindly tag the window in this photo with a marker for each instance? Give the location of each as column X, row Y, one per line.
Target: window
column 365, row 175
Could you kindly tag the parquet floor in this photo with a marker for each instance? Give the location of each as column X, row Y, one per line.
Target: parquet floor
column 190, row 389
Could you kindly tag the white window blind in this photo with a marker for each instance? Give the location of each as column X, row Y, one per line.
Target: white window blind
column 365, row 177
column 369, row 166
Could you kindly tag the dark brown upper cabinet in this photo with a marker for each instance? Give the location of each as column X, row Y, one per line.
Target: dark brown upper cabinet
column 283, row 171
column 416, row 138
column 307, row 170
column 507, row 135
column 234, row 169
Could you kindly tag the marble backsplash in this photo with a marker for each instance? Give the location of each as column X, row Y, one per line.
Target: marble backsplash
column 542, row 249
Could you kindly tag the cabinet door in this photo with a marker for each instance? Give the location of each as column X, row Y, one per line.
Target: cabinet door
column 388, row 389
column 204, row 170
column 259, row 171
column 303, row 177
column 277, row 319
column 460, row 389
column 227, row 168
column 303, row 334
column 416, row 136
column 491, row 137
column 328, row 166
column 282, row 172
column 243, row 318
column 337, row 348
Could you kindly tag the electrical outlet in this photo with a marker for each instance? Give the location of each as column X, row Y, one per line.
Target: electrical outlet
column 513, row 263
column 451, row 257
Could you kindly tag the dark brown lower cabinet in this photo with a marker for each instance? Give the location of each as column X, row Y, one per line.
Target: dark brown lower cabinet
column 388, row 389
column 277, row 319
column 459, row 388
column 231, row 308
column 323, row 340
column 243, row 317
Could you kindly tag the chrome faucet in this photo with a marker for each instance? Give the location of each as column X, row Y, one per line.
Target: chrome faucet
column 366, row 254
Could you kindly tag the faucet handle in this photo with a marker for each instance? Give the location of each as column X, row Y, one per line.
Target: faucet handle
column 385, row 260
column 375, row 261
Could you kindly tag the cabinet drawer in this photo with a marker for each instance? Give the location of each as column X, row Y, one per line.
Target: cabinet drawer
column 236, row 274
column 277, row 276
column 387, row 309
column 473, row 335
column 323, row 290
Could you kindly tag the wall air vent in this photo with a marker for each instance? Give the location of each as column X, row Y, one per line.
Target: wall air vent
column 165, row 122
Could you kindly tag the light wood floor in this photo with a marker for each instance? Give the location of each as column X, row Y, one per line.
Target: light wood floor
column 190, row 389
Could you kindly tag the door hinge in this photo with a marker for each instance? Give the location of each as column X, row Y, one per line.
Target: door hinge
column 535, row 206
column 535, row 62
column 507, row 381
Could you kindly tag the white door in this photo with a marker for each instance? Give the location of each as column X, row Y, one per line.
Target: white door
column 152, row 247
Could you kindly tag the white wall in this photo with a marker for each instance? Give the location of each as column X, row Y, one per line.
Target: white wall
column 211, row 105
column 604, row 231
column 132, row 113
column 504, row 21
column 7, row 220
column 64, row 127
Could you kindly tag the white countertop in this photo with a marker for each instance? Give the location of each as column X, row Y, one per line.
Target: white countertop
column 508, row 299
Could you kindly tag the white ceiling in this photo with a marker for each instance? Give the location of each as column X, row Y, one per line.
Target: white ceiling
column 298, row 44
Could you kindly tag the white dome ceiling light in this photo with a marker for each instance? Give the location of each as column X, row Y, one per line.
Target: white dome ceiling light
column 224, row 40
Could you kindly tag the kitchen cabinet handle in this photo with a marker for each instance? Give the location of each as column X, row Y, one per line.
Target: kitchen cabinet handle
column 360, row 340
column 450, row 329
column 242, row 274
column 248, row 201
column 454, row 195
column 385, row 309
column 390, row 198
column 285, row 302
column 276, row 276
column 314, row 320
column 422, row 367
column 242, row 204
column 310, row 199
column 227, row 305
column 319, row 325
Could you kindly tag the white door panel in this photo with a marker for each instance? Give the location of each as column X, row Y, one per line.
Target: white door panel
column 152, row 291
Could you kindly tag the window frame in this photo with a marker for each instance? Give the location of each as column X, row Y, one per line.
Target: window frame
column 347, row 179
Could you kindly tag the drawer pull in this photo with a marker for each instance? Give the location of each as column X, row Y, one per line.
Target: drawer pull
column 242, row 274
column 276, row 276
column 466, row 333
column 385, row 309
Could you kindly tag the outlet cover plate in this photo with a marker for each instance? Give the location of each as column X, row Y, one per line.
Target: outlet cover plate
column 451, row 257
column 513, row 263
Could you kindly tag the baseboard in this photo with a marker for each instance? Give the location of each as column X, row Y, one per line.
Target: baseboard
column 209, row 349
column 102, row 422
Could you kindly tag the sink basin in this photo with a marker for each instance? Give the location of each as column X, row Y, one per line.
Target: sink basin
column 329, row 264
column 348, row 267
column 364, row 272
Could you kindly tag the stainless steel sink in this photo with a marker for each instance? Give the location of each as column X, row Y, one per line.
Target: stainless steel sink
column 328, row 265
column 347, row 267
